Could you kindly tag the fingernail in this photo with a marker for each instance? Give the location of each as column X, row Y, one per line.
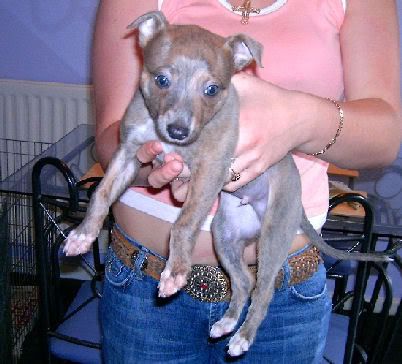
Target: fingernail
column 156, row 148
column 176, row 166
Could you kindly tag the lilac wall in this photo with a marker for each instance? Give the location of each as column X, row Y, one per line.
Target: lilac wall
column 46, row 40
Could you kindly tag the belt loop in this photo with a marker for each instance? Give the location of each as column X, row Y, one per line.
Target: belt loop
column 139, row 262
column 287, row 271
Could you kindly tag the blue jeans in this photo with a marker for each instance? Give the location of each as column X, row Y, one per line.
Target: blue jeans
column 138, row 327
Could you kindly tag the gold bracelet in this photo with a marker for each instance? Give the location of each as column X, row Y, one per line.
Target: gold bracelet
column 338, row 131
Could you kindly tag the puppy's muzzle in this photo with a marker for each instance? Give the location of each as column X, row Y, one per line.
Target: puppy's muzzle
column 178, row 132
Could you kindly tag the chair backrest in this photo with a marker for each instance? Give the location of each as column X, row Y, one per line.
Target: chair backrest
column 55, row 216
column 364, row 294
column 384, row 187
column 391, row 350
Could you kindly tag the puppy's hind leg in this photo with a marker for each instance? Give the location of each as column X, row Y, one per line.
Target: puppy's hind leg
column 229, row 242
column 121, row 172
column 269, row 263
column 278, row 229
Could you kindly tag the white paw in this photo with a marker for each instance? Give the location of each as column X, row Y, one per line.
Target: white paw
column 169, row 285
column 77, row 243
column 223, row 327
column 238, row 345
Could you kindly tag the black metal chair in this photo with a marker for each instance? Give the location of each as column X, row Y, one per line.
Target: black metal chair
column 363, row 294
column 69, row 332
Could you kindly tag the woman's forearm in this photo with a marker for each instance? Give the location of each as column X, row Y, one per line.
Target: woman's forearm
column 115, row 68
column 370, row 136
column 369, row 41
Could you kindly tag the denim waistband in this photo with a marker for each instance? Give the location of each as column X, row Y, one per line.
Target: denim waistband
column 136, row 243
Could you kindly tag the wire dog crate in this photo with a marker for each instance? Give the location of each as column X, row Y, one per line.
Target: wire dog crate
column 19, row 280
column 18, row 287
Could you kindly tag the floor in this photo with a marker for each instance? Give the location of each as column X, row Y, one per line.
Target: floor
column 32, row 347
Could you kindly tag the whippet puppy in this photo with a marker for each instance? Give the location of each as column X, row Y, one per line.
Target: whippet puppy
column 187, row 101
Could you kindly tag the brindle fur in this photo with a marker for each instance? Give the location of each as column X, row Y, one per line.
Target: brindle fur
column 193, row 57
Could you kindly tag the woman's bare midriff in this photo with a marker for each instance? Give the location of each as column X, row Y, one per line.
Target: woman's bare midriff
column 154, row 233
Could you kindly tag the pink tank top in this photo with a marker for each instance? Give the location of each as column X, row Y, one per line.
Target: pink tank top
column 301, row 52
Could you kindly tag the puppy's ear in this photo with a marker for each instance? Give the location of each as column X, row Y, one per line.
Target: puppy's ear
column 149, row 25
column 245, row 50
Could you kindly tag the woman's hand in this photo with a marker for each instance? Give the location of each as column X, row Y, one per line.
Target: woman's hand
column 164, row 173
column 172, row 170
column 268, row 127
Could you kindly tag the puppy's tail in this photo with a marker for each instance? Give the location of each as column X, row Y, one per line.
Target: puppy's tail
column 325, row 248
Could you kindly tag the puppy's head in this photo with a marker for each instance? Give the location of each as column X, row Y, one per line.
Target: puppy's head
column 186, row 73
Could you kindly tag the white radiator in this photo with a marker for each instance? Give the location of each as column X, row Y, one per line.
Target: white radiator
column 42, row 111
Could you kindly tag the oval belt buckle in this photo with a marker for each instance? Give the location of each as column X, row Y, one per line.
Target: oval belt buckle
column 207, row 284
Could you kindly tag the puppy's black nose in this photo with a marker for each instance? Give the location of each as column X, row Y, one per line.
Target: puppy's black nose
column 178, row 132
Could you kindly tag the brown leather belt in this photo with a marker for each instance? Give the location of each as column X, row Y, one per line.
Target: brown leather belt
column 210, row 283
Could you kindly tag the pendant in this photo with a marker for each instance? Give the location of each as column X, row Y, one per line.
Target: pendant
column 245, row 10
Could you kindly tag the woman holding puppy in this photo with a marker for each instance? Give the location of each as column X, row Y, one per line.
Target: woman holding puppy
column 330, row 79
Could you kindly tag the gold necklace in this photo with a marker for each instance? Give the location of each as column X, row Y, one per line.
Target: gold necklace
column 245, row 9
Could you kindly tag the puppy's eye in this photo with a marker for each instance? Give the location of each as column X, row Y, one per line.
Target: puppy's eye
column 162, row 81
column 211, row 90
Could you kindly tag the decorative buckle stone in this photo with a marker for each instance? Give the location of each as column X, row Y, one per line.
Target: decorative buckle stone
column 207, row 284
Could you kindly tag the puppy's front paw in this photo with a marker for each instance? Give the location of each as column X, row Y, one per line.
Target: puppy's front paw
column 238, row 345
column 223, row 327
column 78, row 243
column 173, row 279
